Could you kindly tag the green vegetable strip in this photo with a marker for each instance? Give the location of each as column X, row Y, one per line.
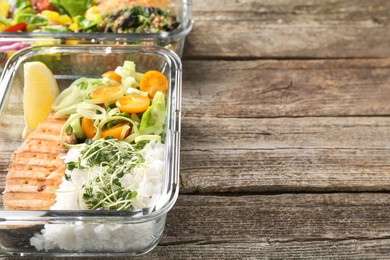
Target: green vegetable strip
column 113, row 112
column 66, row 98
column 147, row 138
column 63, row 113
column 124, row 130
column 153, row 119
column 113, row 118
column 68, row 122
column 91, row 111
column 136, row 91
column 108, row 100
column 77, row 92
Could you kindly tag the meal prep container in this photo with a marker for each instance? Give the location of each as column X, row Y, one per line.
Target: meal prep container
column 173, row 40
column 117, row 233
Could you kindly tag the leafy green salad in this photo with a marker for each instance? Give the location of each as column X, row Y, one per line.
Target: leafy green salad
column 82, row 16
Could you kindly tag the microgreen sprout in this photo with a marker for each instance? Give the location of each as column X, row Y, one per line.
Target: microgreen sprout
column 113, row 159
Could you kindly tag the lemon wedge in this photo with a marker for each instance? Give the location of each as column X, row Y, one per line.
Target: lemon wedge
column 40, row 90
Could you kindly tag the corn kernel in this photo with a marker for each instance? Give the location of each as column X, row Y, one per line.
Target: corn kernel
column 51, row 15
column 65, row 19
column 2, row 27
column 74, row 27
column 72, row 42
column 38, row 43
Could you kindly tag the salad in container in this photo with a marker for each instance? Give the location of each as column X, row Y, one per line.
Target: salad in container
column 90, row 149
column 26, row 23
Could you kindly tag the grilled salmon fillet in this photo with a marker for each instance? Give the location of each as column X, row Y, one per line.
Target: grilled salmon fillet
column 36, row 169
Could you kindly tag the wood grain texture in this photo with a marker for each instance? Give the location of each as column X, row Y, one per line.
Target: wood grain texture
column 285, row 154
column 283, row 28
column 285, row 126
column 271, row 88
column 281, row 154
column 287, row 226
column 278, row 218
column 353, row 226
column 283, row 102
column 259, row 126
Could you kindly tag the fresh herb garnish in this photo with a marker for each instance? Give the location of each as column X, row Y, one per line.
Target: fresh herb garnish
column 112, row 160
column 71, row 165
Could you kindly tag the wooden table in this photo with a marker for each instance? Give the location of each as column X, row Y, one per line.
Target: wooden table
column 285, row 132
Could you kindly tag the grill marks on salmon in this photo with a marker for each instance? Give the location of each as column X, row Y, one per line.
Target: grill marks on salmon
column 36, row 169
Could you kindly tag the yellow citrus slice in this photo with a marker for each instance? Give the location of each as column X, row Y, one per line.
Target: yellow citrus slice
column 40, row 90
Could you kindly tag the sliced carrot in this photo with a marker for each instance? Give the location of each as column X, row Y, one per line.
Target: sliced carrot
column 105, row 92
column 133, row 103
column 88, row 127
column 112, row 75
column 153, row 81
column 116, row 131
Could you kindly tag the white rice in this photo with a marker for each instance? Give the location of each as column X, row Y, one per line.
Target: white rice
column 146, row 179
column 97, row 237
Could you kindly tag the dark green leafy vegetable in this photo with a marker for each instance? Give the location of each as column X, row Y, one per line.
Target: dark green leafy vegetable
column 71, row 165
column 57, row 6
column 22, row 5
column 75, row 8
column 32, row 20
column 86, row 25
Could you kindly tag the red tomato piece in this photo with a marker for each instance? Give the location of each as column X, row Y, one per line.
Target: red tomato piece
column 19, row 27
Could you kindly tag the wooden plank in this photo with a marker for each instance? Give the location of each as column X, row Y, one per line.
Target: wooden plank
column 353, row 226
column 283, row 28
column 280, row 154
column 350, row 249
column 227, row 146
column 285, row 154
column 287, row 226
column 270, row 88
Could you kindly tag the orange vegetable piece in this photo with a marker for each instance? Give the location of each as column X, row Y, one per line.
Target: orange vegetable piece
column 153, row 81
column 88, row 127
column 112, row 75
column 133, row 103
column 104, row 92
column 116, row 131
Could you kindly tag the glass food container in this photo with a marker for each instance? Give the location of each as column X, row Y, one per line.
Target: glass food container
column 87, row 232
column 174, row 40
